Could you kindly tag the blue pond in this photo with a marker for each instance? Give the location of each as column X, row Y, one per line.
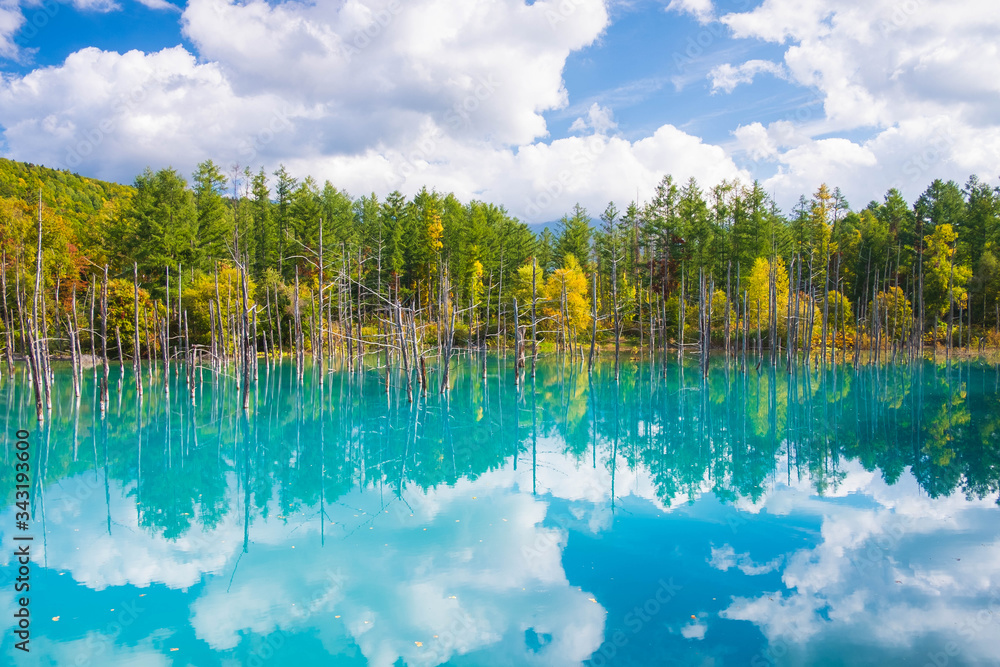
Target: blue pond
column 824, row 516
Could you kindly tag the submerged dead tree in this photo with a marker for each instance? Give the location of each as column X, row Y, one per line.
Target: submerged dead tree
column 34, row 359
column 136, row 352
column 104, row 340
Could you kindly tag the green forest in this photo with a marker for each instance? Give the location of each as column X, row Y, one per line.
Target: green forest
column 714, row 263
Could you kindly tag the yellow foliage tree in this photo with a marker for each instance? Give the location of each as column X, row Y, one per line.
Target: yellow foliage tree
column 199, row 291
column 759, row 290
column 477, row 280
column 570, row 278
column 435, row 230
column 945, row 280
column 894, row 312
column 841, row 319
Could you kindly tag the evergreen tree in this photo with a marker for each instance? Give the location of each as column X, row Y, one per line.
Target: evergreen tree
column 664, row 228
column 574, row 238
column 162, row 225
column 546, row 252
column 304, row 214
column 981, row 223
column 265, row 245
column 339, row 225
column 980, row 243
column 394, row 215
column 367, row 213
column 941, row 204
column 423, row 244
column 695, row 219
column 896, row 213
column 750, row 236
column 214, row 221
column 283, row 189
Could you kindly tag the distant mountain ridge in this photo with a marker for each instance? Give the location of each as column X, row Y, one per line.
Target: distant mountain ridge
column 538, row 227
column 79, row 197
column 71, row 195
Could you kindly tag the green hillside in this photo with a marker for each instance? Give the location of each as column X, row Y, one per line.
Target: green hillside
column 74, row 197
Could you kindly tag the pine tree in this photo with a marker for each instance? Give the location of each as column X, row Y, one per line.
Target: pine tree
column 214, row 221
column 574, row 238
column 283, row 189
column 162, row 222
column 265, row 245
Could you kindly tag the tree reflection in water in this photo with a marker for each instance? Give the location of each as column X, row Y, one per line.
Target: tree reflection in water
column 731, row 433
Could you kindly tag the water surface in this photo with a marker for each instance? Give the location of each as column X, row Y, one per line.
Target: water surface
column 820, row 517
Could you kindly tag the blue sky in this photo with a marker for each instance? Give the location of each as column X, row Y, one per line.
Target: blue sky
column 532, row 105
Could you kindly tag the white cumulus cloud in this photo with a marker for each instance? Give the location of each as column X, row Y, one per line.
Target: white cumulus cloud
column 702, row 10
column 159, row 5
column 11, row 21
column 385, row 94
column 726, row 77
column 920, row 80
column 599, row 119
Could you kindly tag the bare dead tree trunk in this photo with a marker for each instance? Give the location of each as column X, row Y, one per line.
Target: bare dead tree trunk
column 447, row 360
column 104, row 339
column 136, row 350
column 534, row 318
column 79, row 346
column 593, row 317
column 244, row 321
column 8, row 318
column 180, row 311
column 149, row 344
column 121, row 357
column 166, row 332
column 729, row 271
column 760, row 343
column 681, row 313
column 33, row 356
column 518, row 345
column 74, row 360
column 299, row 360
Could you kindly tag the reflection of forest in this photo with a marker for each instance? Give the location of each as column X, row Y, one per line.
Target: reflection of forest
column 732, row 432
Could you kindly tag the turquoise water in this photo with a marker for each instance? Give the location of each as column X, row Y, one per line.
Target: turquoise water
column 839, row 517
